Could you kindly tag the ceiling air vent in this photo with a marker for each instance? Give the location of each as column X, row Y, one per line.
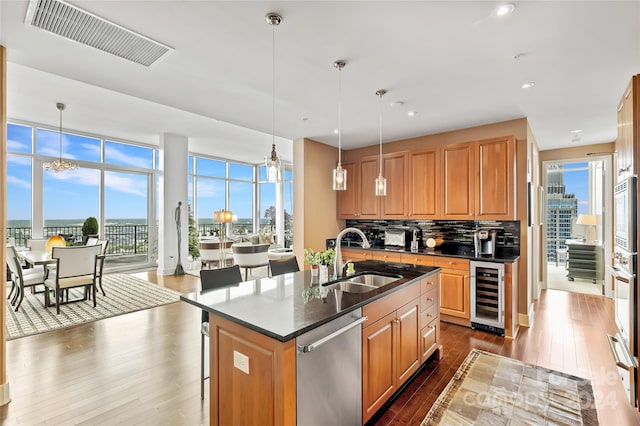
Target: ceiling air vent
column 73, row 23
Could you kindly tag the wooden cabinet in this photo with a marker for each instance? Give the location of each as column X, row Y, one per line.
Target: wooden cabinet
column 454, row 290
column 429, row 317
column 628, row 130
column 355, row 254
column 390, row 346
column 458, row 181
column 479, row 180
column 359, row 200
column 386, row 256
column 424, row 184
column 270, row 377
column 395, row 205
column 494, row 182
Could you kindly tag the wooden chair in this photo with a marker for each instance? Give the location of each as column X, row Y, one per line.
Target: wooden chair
column 249, row 256
column 211, row 279
column 22, row 278
column 283, row 266
column 75, row 267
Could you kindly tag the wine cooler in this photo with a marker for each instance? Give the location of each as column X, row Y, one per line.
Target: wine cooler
column 487, row 296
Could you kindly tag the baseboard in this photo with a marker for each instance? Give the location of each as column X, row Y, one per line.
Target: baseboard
column 455, row 320
column 5, row 396
column 526, row 320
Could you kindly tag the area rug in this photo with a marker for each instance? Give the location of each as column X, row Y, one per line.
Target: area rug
column 124, row 294
column 490, row 389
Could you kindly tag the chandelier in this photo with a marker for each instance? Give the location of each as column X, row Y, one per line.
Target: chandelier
column 59, row 165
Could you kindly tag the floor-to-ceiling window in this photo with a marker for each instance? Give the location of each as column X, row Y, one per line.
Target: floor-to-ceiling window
column 113, row 183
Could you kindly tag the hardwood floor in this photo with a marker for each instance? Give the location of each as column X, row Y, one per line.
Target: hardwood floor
column 143, row 368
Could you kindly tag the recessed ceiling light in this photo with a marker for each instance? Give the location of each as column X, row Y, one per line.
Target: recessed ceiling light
column 504, row 9
column 412, row 113
column 396, row 104
column 335, row 131
column 528, row 85
column 576, row 131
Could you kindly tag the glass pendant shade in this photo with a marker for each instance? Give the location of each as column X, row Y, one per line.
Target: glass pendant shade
column 339, row 179
column 381, row 186
column 272, row 163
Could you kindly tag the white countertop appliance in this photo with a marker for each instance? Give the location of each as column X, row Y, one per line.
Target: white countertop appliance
column 484, row 242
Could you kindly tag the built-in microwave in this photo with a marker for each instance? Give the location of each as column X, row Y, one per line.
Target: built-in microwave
column 625, row 209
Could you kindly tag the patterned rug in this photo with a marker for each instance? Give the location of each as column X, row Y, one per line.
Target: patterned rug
column 489, row 389
column 124, row 294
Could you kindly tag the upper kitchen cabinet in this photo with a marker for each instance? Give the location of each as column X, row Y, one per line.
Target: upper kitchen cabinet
column 395, row 204
column 458, row 181
column 494, row 189
column 479, row 180
column 424, row 184
column 359, row 201
column 628, row 130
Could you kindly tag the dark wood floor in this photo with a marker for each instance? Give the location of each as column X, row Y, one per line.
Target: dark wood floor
column 143, row 368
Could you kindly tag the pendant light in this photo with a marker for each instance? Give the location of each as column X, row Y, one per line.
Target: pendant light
column 381, row 182
column 339, row 174
column 60, row 165
column 272, row 162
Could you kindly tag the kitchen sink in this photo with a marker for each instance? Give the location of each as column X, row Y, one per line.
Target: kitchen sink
column 363, row 282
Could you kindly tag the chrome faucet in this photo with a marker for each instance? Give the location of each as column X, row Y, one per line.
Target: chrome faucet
column 365, row 245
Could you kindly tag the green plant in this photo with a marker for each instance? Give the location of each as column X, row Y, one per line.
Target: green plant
column 194, row 244
column 90, row 226
column 327, row 257
column 312, row 257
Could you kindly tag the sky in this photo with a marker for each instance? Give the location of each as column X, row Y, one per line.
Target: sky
column 577, row 182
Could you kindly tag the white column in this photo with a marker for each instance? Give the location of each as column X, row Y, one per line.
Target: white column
column 174, row 155
column 280, row 212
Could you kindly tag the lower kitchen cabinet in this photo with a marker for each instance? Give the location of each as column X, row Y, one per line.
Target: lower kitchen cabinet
column 454, row 290
column 390, row 355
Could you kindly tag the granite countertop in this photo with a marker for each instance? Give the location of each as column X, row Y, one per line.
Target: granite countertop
column 465, row 252
column 286, row 306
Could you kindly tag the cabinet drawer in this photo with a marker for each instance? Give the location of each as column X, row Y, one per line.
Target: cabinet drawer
column 429, row 283
column 429, row 336
column 429, row 314
column 428, row 299
column 355, row 254
column 381, row 307
column 451, row 263
column 386, row 256
column 417, row 259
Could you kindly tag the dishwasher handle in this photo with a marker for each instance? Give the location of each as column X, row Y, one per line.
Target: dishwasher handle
column 312, row 346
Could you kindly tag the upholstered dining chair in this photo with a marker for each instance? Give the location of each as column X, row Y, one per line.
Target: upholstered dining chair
column 283, row 266
column 211, row 279
column 75, row 267
column 104, row 243
column 22, row 278
column 36, row 244
column 249, row 256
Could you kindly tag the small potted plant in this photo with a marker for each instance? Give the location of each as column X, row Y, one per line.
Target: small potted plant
column 314, row 259
column 89, row 229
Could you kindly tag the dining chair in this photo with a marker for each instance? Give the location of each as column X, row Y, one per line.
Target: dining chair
column 104, row 243
column 211, row 279
column 22, row 278
column 75, row 267
column 283, row 266
column 91, row 241
column 36, row 244
column 249, row 256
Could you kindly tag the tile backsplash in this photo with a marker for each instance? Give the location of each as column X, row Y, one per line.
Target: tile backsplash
column 459, row 232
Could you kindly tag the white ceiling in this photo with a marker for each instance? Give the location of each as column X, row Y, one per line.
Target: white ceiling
column 451, row 61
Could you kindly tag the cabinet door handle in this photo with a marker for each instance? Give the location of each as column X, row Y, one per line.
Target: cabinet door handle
column 430, row 299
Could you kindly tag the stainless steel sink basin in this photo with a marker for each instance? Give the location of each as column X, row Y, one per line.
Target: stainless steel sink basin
column 364, row 282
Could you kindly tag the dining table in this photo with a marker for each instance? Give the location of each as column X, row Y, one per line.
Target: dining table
column 36, row 257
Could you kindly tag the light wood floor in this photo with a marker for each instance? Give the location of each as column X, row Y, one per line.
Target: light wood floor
column 143, row 368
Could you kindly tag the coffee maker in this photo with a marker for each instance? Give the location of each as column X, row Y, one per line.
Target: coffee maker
column 484, row 242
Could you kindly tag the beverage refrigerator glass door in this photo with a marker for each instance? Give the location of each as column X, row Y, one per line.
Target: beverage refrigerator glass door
column 487, row 296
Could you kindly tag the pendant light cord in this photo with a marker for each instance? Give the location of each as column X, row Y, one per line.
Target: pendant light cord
column 339, row 115
column 273, row 84
column 380, row 93
column 61, row 135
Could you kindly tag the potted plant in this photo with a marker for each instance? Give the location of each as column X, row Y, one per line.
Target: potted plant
column 89, row 229
column 314, row 259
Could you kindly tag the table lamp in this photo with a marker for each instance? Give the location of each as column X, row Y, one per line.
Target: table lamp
column 223, row 217
column 590, row 220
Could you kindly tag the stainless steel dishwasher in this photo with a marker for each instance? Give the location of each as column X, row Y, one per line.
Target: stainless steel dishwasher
column 329, row 373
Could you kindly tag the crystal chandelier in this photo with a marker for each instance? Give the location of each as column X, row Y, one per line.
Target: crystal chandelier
column 272, row 162
column 59, row 165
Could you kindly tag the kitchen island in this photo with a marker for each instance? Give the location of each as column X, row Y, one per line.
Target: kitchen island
column 254, row 326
